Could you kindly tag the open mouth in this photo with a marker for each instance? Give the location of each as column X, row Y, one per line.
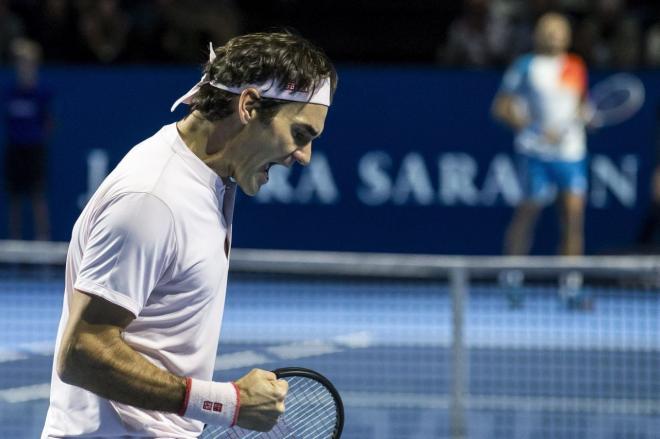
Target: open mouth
column 266, row 169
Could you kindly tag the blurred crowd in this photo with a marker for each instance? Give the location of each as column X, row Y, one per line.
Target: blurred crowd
column 472, row 33
column 615, row 34
column 109, row 31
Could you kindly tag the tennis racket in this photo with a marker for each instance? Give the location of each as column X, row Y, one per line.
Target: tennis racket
column 613, row 100
column 313, row 410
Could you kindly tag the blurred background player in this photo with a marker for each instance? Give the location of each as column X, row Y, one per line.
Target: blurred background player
column 28, row 125
column 542, row 99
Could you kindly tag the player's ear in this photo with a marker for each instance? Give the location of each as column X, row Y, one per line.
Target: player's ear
column 248, row 102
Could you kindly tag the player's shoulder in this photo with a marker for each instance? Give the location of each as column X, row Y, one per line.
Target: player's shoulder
column 143, row 166
column 522, row 62
column 575, row 60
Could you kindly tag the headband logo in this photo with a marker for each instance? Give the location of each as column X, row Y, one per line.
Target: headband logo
column 291, row 87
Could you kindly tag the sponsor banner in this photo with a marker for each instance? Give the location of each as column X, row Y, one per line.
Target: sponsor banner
column 410, row 161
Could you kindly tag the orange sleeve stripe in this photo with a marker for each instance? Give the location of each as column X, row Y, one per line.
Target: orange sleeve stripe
column 574, row 74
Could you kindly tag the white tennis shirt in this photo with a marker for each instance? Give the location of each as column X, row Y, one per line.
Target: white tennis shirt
column 150, row 240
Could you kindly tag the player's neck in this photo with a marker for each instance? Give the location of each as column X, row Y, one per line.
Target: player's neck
column 550, row 53
column 207, row 139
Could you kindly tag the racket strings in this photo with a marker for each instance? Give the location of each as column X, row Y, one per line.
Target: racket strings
column 310, row 413
column 616, row 99
column 311, row 409
column 318, row 423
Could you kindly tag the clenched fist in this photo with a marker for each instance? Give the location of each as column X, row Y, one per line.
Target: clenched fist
column 262, row 400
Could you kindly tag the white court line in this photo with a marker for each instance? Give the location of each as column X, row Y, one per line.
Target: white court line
column 39, row 347
column 23, row 351
column 385, row 400
column 8, row 356
column 239, row 359
column 293, row 351
column 476, row 338
column 25, row 393
column 309, row 348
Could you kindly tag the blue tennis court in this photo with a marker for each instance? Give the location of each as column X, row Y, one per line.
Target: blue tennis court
column 535, row 372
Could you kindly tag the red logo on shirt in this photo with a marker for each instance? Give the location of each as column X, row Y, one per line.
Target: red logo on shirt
column 212, row 406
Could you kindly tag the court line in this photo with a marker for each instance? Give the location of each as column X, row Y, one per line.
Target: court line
column 387, row 400
column 25, row 393
column 8, row 356
column 293, row 351
column 475, row 340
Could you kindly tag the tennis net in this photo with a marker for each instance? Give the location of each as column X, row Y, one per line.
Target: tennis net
column 418, row 346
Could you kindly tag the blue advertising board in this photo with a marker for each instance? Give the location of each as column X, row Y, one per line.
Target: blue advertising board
column 410, row 161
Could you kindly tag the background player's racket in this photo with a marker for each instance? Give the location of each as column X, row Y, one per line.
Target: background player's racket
column 611, row 101
column 615, row 99
column 313, row 410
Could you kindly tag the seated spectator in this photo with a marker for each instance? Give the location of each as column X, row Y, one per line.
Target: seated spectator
column 193, row 23
column 104, row 27
column 609, row 37
column 477, row 38
column 56, row 31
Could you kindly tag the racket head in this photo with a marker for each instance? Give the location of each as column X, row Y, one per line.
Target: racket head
column 615, row 99
column 301, row 372
column 302, row 382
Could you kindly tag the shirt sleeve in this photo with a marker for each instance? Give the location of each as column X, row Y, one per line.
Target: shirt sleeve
column 513, row 81
column 130, row 247
column 575, row 73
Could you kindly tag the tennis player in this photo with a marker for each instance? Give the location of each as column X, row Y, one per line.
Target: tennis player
column 147, row 266
column 543, row 98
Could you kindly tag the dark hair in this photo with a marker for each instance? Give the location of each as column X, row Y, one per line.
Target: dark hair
column 255, row 58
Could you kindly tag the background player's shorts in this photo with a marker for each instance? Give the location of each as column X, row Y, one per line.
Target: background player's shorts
column 541, row 179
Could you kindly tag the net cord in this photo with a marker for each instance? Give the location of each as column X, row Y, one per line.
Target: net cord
column 383, row 265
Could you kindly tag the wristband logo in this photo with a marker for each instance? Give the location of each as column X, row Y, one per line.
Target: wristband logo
column 212, row 406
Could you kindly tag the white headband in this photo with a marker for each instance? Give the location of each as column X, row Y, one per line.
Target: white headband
column 269, row 89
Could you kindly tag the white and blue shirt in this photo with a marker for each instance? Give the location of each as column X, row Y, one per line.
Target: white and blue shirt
column 551, row 90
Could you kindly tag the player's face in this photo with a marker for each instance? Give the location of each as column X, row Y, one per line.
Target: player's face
column 286, row 139
column 553, row 34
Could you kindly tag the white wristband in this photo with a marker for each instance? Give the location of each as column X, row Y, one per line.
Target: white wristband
column 211, row 402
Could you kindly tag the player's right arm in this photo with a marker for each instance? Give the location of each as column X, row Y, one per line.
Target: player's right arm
column 94, row 356
column 506, row 108
column 130, row 247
